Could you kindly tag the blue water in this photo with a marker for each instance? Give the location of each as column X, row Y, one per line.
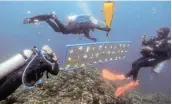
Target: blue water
column 131, row 21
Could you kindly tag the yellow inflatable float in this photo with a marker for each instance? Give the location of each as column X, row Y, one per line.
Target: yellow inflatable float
column 108, row 9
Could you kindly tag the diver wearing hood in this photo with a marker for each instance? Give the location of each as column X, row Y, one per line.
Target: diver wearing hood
column 73, row 27
column 154, row 51
column 158, row 43
column 26, row 68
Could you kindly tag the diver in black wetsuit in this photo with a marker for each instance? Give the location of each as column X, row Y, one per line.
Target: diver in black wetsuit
column 71, row 28
column 154, row 51
column 29, row 73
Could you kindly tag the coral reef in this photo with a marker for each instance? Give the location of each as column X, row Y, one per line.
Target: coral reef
column 81, row 86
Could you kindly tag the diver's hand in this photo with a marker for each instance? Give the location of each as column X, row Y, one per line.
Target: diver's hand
column 143, row 38
column 54, row 57
column 108, row 29
column 93, row 39
column 146, row 48
column 92, row 29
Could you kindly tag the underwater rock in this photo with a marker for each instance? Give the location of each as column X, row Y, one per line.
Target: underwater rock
column 81, row 86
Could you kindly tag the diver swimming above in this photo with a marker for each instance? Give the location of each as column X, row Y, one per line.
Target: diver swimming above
column 81, row 24
column 26, row 68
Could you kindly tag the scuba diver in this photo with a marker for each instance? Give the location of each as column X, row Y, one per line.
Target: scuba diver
column 26, row 68
column 154, row 52
column 81, row 24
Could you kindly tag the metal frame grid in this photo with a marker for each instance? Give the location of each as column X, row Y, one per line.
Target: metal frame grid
column 80, row 55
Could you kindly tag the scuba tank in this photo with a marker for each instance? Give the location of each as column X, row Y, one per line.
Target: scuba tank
column 82, row 18
column 79, row 18
column 159, row 67
column 15, row 62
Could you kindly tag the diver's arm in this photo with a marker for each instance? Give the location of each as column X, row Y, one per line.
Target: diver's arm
column 86, row 34
column 164, row 42
column 155, row 49
column 146, row 42
column 163, row 49
column 94, row 26
column 147, row 48
column 163, row 46
column 159, row 49
column 54, row 67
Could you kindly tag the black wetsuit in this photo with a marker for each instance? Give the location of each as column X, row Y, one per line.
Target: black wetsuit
column 71, row 28
column 150, row 59
column 34, row 72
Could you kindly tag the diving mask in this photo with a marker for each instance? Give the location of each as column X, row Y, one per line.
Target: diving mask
column 48, row 53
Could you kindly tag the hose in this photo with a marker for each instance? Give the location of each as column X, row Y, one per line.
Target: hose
column 52, row 64
column 25, row 72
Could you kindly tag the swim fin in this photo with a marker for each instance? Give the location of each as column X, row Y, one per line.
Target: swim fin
column 111, row 76
column 121, row 90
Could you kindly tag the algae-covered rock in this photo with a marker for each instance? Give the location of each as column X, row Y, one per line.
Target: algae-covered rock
column 81, row 86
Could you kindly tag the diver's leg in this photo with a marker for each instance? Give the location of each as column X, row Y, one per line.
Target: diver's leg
column 9, row 86
column 53, row 25
column 133, row 67
column 37, row 18
column 142, row 62
column 135, row 74
column 58, row 22
column 64, row 29
column 145, row 62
